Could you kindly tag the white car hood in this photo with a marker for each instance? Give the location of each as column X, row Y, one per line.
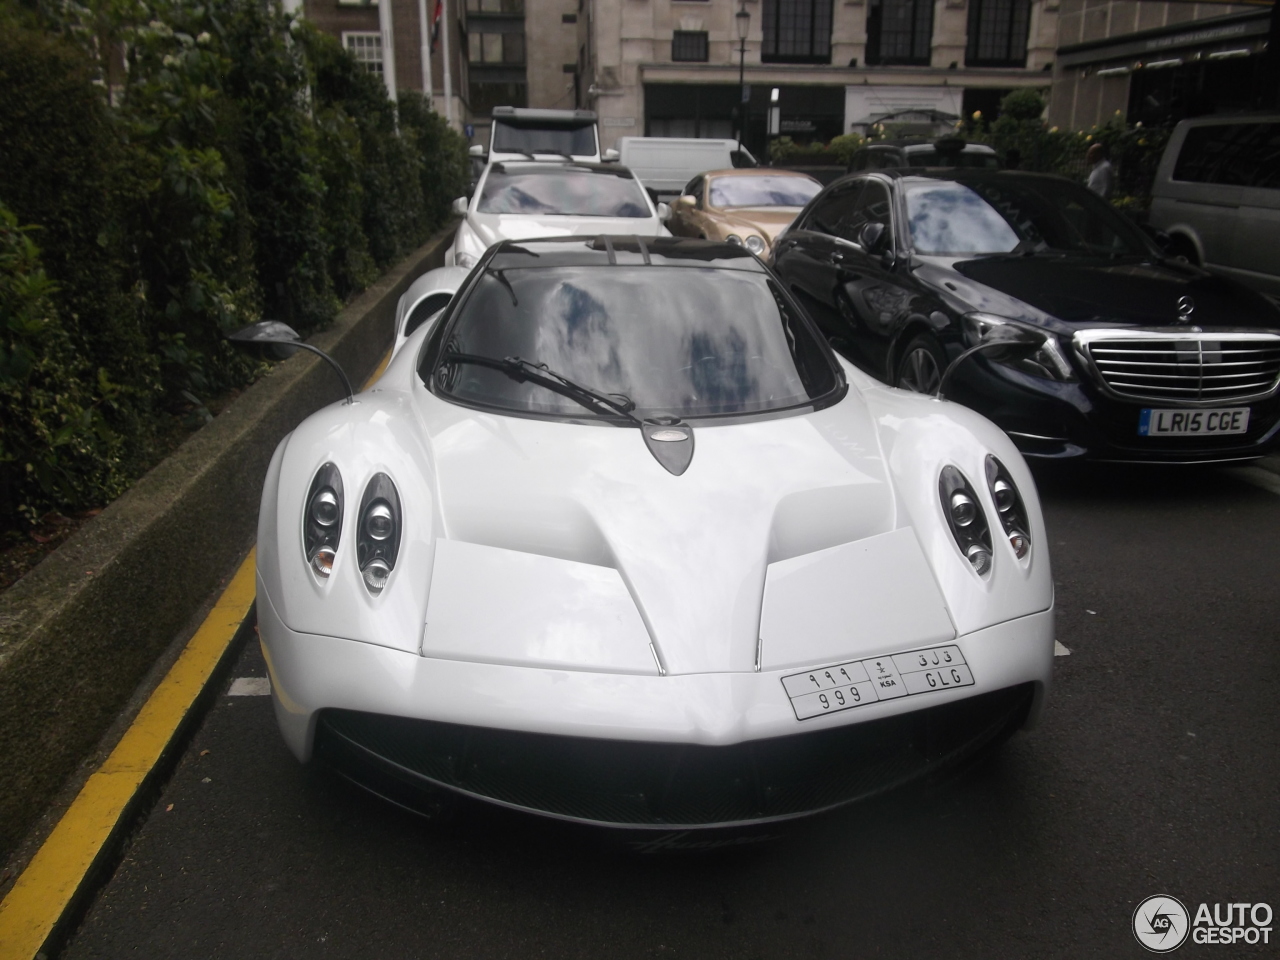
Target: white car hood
column 692, row 550
column 492, row 227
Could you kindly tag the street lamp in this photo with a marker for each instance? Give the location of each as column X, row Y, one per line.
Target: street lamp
column 742, row 21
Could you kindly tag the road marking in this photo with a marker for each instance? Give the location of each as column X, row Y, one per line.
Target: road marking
column 250, row 687
column 1258, row 476
column 46, row 888
column 1059, row 650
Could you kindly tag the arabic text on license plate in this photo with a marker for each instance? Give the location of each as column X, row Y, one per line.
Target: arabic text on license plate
column 859, row 682
column 1192, row 423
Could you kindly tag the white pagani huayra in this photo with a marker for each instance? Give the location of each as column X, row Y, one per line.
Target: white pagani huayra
column 617, row 538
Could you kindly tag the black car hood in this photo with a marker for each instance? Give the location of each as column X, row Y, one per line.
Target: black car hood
column 1091, row 291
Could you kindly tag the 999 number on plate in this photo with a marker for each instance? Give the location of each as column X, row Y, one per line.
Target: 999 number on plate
column 859, row 682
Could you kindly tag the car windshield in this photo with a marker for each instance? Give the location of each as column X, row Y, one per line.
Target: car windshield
column 763, row 191
column 572, row 141
column 551, row 189
column 950, row 218
column 688, row 342
column 928, row 157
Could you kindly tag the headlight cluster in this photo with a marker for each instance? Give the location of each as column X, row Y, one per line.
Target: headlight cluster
column 378, row 534
column 1031, row 349
column 1009, row 507
column 753, row 243
column 378, row 537
column 966, row 519
column 322, row 524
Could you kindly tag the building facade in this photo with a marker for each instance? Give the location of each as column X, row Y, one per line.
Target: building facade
column 672, row 67
column 1155, row 62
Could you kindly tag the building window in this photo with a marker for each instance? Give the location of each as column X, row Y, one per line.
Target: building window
column 689, row 46
column 485, row 95
column 495, row 6
column 366, row 48
column 998, row 33
column 900, row 31
column 495, row 48
column 796, row 31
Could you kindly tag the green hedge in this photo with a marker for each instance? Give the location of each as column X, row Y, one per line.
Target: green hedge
column 174, row 170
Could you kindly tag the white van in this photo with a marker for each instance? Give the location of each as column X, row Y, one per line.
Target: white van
column 1217, row 196
column 665, row 164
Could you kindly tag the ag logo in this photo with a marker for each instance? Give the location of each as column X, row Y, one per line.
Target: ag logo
column 1161, row 923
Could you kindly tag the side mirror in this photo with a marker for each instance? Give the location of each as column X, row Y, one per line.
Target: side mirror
column 478, row 150
column 686, row 202
column 611, row 156
column 664, row 211
column 460, row 206
column 287, row 342
column 870, row 237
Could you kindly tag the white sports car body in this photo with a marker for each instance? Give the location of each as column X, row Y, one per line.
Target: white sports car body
column 524, row 199
column 617, row 538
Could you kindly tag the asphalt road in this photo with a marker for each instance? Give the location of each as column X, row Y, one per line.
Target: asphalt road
column 1156, row 770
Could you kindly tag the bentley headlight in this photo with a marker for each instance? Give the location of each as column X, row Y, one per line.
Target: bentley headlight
column 1031, row 350
column 378, row 536
column 322, row 520
column 734, row 239
column 966, row 519
column 755, row 245
column 1009, row 507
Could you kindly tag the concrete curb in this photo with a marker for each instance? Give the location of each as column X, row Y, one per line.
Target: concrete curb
column 80, row 631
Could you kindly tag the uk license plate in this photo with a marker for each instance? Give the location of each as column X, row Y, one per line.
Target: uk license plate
column 1192, row 423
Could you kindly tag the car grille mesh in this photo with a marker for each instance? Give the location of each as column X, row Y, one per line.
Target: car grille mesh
column 628, row 783
column 1203, row 368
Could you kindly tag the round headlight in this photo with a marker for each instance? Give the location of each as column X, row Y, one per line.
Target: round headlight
column 375, row 574
column 734, row 239
column 379, row 523
column 980, row 557
column 1004, row 495
column 963, row 509
column 324, row 507
column 1020, row 543
column 755, row 245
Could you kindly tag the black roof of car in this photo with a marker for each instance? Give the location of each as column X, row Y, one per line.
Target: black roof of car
column 960, row 173
column 622, row 250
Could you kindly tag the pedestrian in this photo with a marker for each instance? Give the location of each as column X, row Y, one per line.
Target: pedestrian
column 1100, row 174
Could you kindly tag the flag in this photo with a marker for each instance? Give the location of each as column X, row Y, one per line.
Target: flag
column 435, row 24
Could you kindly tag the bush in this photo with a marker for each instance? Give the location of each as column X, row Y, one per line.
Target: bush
column 55, row 446
column 190, row 167
column 839, row 152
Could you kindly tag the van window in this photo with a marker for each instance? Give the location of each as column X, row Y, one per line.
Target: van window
column 577, row 140
column 1233, row 154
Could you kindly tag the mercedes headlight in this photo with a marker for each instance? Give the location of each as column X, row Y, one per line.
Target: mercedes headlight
column 755, row 245
column 1031, row 350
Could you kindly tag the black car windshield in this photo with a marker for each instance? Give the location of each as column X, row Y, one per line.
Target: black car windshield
column 976, row 217
column 763, row 191
column 572, row 141
column 552, row 189
column 688, row 342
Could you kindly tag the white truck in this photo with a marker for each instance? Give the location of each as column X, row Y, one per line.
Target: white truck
column 665, row 164
column 520, row 133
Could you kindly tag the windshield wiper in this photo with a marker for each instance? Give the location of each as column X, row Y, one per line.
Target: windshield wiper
column 522, row 370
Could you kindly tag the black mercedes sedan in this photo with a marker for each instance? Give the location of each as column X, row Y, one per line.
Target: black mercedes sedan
column 1095, row 344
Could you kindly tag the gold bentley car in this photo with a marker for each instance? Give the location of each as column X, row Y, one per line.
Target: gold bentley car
column 748, row 207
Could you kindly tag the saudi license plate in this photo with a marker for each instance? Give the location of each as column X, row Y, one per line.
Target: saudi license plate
column 859, row 682
column 1192, row 423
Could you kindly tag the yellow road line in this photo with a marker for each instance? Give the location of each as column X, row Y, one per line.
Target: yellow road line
column 49, row 883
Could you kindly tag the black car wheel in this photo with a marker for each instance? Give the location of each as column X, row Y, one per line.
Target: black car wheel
column 920, row 369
